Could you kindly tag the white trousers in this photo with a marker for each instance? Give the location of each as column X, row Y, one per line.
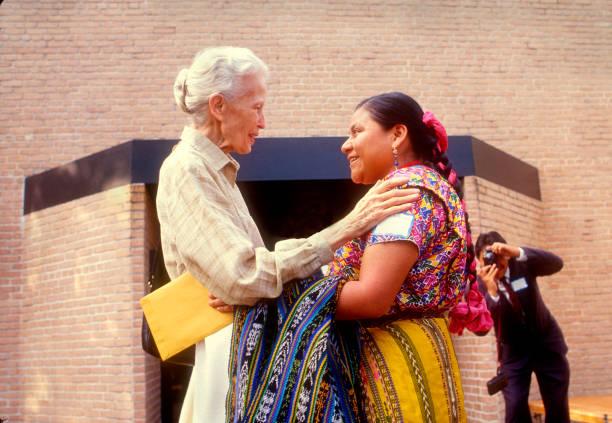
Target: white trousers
column 205, row 398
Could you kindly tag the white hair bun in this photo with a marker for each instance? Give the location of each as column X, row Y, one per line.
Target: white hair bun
column 180, row 89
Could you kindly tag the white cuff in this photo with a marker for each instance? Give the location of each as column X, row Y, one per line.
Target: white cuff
column 522, row 256
column 494, row 298
column 323, row 251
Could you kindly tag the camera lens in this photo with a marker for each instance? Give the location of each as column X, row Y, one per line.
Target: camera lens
column 489, row 257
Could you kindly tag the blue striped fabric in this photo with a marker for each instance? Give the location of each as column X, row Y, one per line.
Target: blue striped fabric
column 288, row 362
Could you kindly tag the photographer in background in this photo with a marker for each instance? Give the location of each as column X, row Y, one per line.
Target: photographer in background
column 529, row 340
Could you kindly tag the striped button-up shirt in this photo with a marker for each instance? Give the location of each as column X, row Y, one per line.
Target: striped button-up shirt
column 206, row 228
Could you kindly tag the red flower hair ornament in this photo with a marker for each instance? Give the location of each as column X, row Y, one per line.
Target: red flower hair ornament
column 432, row 122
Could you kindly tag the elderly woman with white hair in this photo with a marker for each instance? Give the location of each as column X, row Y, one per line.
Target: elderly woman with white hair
column 205, row 225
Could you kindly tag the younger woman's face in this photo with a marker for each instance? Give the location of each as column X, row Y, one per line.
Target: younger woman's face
column 368, row 149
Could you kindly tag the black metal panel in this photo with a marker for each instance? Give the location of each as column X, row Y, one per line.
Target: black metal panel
column 147, row 158
column 272, row 159
column 461, row 154
column 286, row 159
column 95, row 173
column 495, row 165
column 313, row 158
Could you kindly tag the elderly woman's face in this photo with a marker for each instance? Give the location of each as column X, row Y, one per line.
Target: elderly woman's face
column 244, row 117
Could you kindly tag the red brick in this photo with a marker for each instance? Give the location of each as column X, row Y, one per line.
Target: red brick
column 531, row 78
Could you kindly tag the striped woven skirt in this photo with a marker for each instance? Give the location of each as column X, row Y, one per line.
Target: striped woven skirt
column 409, row 373
column 292, row 362
column 288, row 362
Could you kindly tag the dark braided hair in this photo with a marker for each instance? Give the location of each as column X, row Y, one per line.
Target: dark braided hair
column 390, row 109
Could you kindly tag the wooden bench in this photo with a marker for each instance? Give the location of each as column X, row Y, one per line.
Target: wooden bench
column 596, row 409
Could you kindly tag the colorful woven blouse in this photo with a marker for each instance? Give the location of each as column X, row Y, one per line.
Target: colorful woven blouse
column 436, row 225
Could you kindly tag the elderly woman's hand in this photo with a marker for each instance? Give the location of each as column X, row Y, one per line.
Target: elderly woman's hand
column 381, row 201
column 219, row 304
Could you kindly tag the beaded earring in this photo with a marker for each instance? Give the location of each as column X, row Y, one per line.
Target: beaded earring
column 395, row 159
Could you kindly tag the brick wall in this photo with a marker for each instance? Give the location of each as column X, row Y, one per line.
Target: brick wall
column 85, row 266
column 519, row 219
column 529, row 77
column 79, row 356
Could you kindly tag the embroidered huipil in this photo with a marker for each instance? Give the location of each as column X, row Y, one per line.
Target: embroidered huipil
column 291, row 365
column 438, row 229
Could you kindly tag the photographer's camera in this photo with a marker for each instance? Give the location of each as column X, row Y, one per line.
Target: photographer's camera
column 489, row 257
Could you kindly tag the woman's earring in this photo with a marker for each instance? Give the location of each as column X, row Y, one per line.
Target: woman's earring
column 395, row 159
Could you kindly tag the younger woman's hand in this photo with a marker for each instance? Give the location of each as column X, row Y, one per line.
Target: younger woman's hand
column 219, row 304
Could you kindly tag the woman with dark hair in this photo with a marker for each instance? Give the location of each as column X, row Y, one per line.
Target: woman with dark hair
column 393, row 359
column 410, row 270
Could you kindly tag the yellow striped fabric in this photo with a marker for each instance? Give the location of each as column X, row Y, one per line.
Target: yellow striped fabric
column 409, row 373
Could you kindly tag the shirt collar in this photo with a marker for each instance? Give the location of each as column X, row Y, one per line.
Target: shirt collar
column 500, row 285
column 211, row 153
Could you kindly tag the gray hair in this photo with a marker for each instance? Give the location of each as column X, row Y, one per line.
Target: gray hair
column 214, row 70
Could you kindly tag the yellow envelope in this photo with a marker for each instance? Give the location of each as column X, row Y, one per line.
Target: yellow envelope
column 179, row 316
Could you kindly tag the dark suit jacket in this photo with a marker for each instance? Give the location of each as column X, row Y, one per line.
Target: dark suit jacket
column 540, row 330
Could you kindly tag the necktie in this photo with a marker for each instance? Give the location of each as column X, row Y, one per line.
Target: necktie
column 516, row 305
